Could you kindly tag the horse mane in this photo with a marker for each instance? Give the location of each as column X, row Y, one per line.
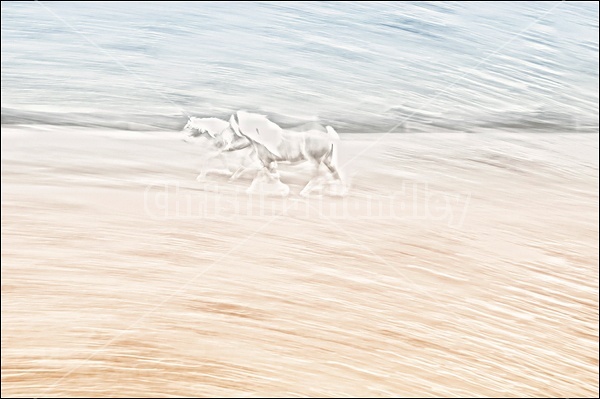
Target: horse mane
column 259, row 129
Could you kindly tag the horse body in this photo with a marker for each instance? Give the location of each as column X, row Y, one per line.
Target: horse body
column 297, row 147
column 274, row 144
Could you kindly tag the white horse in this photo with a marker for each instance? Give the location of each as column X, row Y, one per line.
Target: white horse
column 222, row 139
column 274, row 144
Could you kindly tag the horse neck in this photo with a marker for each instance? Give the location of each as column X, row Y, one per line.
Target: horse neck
column 285, row 134
column 220, row 140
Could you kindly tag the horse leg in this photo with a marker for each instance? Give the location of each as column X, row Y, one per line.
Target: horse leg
column 240, row 171
column 212, row 159
column 332, row 169
column 221, row 157
column 341, row 189
column 249, row 162
column 204, row 167
column 312, row 182
column 243, row 167
column 273, row 172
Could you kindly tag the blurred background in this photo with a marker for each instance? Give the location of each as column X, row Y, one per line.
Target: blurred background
column 361, row 66
column 124, row 276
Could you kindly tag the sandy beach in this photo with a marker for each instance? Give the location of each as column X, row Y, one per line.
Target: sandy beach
column 457, row 265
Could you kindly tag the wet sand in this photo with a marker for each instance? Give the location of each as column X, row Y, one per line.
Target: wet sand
column 458, row 265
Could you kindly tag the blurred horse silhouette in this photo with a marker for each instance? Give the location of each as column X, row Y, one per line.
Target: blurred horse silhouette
column 221, row 138
column 274, row 144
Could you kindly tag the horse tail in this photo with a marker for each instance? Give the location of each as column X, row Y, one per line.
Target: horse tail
column 335, row 145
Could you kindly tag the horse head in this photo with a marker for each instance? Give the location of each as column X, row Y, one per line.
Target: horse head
column 212, row 126
column 192, row 127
